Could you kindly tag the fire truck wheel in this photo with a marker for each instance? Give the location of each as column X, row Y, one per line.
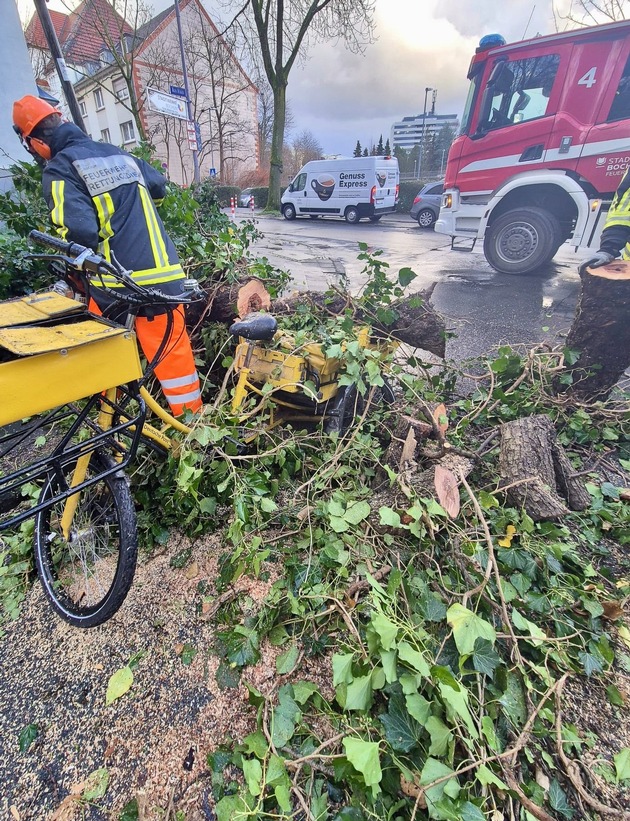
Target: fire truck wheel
column 288, row 211
column 522, row 241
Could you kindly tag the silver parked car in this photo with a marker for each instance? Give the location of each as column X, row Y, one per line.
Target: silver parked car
column 426, row 206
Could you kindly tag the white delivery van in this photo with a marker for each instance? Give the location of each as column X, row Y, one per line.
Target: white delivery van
column 353, row 188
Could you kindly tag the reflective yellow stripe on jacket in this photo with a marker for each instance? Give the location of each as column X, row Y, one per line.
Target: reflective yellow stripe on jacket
column 150, row 276
column 155, row 235
column 105, row 211
column 56, row 215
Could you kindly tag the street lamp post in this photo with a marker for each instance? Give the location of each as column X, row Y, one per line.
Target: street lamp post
column 424, row 126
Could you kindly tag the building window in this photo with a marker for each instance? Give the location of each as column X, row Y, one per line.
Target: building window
column 105, row 138
column 128, row 134
column 83, row 108
column 121, row 90
column 98, row 99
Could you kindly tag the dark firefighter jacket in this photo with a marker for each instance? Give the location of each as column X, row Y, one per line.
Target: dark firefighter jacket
column 616, row 234
column 102, row 197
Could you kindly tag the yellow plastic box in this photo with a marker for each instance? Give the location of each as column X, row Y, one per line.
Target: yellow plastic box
column 55, row 352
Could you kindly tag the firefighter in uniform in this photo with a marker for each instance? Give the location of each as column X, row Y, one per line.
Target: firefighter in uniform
column 102, row 197
column 615, row 238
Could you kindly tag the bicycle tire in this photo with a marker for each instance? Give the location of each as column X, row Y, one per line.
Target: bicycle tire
column 87, row 577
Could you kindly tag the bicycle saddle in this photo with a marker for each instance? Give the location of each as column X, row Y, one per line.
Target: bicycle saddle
column 257, row 326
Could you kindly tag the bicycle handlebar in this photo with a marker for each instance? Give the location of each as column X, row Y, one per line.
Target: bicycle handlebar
column 72, row 249
column 85, row 260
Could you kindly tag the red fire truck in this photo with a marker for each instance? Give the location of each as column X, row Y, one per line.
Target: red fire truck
column 545, row 141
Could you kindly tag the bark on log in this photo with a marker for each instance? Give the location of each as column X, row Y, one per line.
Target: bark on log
column 600, row 331
column 535, row 470
column 418, row 325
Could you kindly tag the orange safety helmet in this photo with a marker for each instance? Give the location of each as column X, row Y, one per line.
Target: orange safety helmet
column 28, row 113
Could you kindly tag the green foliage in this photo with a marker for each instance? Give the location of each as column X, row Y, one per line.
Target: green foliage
column 212, row 195
column 21, row 210
column 406, row 195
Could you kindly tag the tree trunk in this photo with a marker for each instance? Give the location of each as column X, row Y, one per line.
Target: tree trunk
column 418, row 325
column 277, row 143
column 600, row 332
column 535, row 470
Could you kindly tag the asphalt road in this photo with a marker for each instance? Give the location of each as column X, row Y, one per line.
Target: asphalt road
column 484, row 308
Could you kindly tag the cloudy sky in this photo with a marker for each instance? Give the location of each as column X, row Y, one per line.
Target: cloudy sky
column 344, row 97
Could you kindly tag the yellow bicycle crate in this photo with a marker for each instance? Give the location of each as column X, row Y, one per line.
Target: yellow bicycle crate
column 52, row 351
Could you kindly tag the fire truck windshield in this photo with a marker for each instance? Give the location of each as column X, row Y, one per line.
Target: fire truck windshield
column 475, row 80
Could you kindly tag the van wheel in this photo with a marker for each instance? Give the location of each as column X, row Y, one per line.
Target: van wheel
column 375, row 217
column 426, row 218
column 522, row 241
column 352, row 214
column 288, row 211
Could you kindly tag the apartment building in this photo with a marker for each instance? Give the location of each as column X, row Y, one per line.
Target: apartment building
column 409, row 131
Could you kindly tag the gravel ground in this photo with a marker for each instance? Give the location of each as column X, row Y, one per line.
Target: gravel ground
column 55, row 676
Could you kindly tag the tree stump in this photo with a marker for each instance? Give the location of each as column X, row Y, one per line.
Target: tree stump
column 600, row 331
column 536, row 472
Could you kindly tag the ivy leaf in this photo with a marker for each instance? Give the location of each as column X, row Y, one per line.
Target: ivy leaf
column 342, row 668
column 285, row 663
column 385, row 629
column 359, row 693
column 432, row 608
column 471, row 812
column 513, row 700
column 432, row 770
column 252, row 770
column 590, row 663
column 241, row 645
column 622, row 764
column 232, row 807
column 485, row 660
column 96, row 785
column 357, row 512
column 401, row 730
column 521, row 623
column 27, row 736
column 405, row 277
column 414, row 658
column 389, row 517
column 418, row 707
column 468, row 627
column 119, row 683
column 130, row 811
column 441, row 736
column 285, row 717
column 303, row 690
column 558, row 800
column 364, row 757
column 458, row 702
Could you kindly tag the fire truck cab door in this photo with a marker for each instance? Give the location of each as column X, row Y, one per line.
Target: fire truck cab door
column 515, row 119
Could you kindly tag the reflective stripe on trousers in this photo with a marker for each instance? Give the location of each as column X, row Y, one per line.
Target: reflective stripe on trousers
column 176, row 371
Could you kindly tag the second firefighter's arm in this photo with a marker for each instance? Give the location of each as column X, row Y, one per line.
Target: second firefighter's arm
column 156, row 182
column 616, row 231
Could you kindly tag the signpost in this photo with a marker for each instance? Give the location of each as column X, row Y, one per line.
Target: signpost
column 192, row 135
column 178, row 91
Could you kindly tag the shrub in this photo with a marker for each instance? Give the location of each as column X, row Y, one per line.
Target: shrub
column 260, row 195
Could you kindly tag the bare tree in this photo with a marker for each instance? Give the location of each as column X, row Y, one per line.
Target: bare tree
column 591, row 12
column 119, row 31
column 306, row 147
column 282, row 30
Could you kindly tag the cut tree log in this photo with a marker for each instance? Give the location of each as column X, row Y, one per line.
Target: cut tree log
column 600, row 331
column 536, row 472
column 416, row 322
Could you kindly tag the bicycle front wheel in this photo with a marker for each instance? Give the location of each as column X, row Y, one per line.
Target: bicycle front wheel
column 87, row 576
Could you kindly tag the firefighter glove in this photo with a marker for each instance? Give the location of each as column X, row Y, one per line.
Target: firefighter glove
column 596, row 261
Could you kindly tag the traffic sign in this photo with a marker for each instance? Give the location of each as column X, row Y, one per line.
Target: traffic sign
column 213, row 172
column 178, row 91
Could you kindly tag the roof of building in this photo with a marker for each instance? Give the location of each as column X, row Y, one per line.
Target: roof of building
column 429, row 117
column 84, row 32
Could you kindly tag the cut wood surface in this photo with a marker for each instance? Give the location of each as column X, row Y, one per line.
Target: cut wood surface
column 535, row 471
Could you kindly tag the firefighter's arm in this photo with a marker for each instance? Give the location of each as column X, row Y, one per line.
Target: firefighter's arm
column 156, row 182
column 616, row 231
column 71, row 211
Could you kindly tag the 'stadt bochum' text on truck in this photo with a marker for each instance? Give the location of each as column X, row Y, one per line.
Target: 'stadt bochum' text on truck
column 545, row 141
column 352, row 188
